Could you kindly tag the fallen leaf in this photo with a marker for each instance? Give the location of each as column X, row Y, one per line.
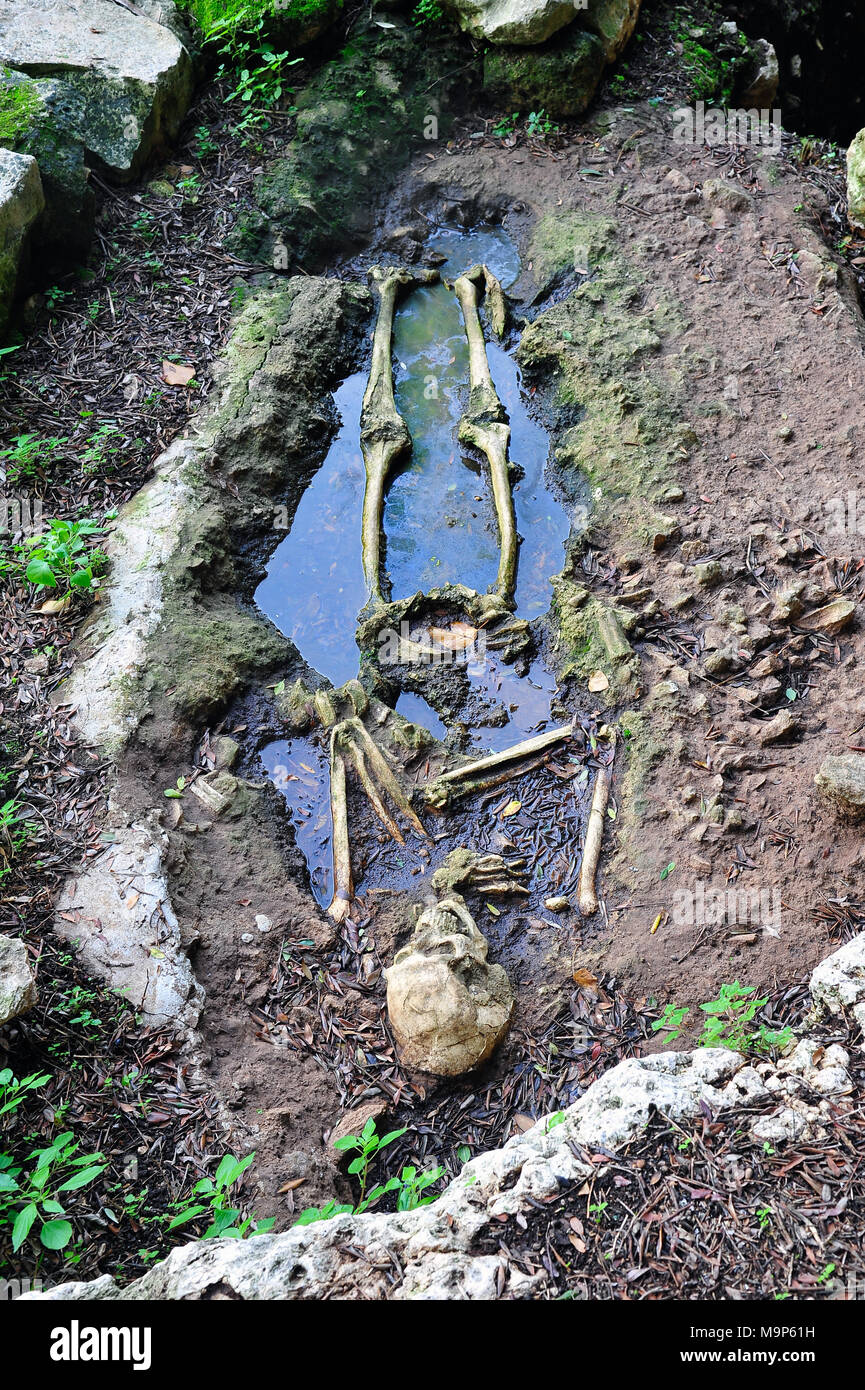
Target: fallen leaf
column 175, row 375
column 512, row 808
column 585, row 979
column 597, row 682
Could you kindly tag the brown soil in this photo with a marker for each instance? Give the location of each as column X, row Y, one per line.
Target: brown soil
column 298, row 1033
column 770, row 363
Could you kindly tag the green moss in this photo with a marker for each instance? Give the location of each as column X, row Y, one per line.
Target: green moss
column 597, row 346
column 19, row 109
column 559, row 77
column 360, row 117
column 592, row 637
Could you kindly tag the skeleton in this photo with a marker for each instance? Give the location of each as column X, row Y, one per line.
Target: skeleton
column 385, row 438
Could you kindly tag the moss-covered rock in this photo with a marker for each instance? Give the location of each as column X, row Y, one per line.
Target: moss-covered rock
column 559, row 77
column 362, row 114
column 132, row 76
column 21, row 204
column 297, row 23
column 36, row 116
column 856, row 181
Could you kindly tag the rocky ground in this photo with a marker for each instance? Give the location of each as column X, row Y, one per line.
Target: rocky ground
column 688, row 323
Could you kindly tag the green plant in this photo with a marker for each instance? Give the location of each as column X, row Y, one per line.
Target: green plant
column 190, row 187
column 670, row 1021
column 597, row 1209
column 27, row 453
column 505, row 125
column 203, row 144
column 74, row 1004
column 176, row 791
column 730, row 1020
column 213, row 1193
column 539, row 125
column 144, row 225
column 30, row 1197
column 60, row 559
column 764, row 1216
column 101, row 446
column 410, row 1185
column 15, row 830
column 427, row 12
column 369, row 1144
column 14, row 1092
column 54, row 296
column 19, row 109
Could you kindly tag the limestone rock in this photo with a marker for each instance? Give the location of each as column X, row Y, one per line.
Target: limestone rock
column 17, row 982
column 131, row 76
column 613, row 21
column 559, row 77
column 520, row 22
column 38, row 114
column 842, row 779
column 762, row 87
column 838, row 983
column 435, row 1246
column 856, row 181
column 528, row 22
column 831, row 618
column 21, row 202
column 448, row 1008
column 120, row 914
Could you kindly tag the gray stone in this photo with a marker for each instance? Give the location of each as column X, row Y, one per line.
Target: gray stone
column 831, row 618
column 762, row 87
column 39, row 114
column 613, row 21
column 527, row 22
column 513, row 21
column 119, row 915
column 132, row 76
column 780, row 726
column 838, row 983
column 17, row 982
column 842, row 780
column 21, row 203
column 856, row 181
